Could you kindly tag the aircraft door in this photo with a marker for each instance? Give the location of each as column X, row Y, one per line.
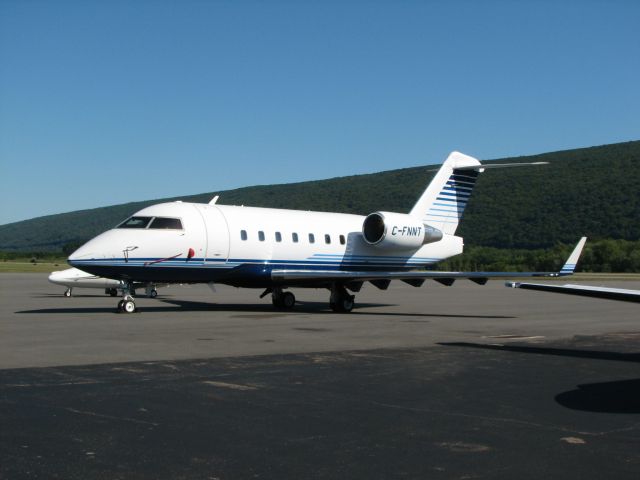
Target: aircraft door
column 217, row 235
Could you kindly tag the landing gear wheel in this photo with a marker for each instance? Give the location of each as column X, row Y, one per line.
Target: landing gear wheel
column 128, row 306
column 343, row 305
column 340, row 300
column 121, row 306
column 288, row 300
column 153, row 293
column 346, row 303
column 67, row 292
column 280, row 299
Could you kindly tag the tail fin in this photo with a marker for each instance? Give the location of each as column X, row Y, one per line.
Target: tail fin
column 443, row 202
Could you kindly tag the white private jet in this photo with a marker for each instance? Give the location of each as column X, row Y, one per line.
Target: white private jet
column 74, row 278
column 276, row 249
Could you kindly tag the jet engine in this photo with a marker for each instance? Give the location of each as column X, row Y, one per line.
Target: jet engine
column 397, row 231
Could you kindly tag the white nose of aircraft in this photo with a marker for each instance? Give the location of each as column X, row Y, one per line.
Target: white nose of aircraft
column 106, row 245
column 91, row 249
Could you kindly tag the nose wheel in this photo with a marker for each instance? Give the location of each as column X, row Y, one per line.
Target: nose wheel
column 127, row 304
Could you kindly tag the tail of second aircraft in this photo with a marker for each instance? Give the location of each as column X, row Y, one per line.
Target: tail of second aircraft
column 443, row 202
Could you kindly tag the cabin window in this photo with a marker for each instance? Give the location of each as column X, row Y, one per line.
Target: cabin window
column 243, row 234
column 294, row 237
column 327, row 239
column 166, row 223
column 342, row 240
column 261, row 236
column 312, row 238
column 135, row 222
column 278, row 237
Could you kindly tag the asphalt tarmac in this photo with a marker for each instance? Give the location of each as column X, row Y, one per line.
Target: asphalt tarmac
column 465, row 381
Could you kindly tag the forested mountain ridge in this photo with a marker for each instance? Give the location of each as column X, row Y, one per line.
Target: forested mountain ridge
column 589, row 191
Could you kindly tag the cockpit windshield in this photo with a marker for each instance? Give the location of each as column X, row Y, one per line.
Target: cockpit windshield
column 166, row 223
column 157, row 223
column 135, row 222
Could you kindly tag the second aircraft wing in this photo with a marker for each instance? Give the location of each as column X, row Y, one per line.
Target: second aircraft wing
column 621, row 294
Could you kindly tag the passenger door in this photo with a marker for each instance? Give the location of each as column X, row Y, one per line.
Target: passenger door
column 217, row 235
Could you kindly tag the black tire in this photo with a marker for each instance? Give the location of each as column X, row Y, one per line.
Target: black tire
column 288, row 300
column 346, row 303
column 343, row 305
column 121, row 306
column 153, row 293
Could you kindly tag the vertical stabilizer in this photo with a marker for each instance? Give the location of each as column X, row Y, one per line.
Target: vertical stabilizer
column 443, row 202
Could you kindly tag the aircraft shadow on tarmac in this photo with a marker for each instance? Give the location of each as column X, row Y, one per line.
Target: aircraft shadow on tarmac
column 621, row 396
column 172, row 305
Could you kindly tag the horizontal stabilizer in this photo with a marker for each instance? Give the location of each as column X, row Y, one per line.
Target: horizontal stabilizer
column 501, row 165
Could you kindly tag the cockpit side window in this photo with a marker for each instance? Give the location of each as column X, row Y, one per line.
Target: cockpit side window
column 166, row 223
column 135, row 222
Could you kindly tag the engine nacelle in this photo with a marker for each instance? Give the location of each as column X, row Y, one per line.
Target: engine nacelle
column 397, row 231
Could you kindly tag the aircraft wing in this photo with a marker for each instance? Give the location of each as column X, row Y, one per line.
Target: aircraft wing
column 582, row 290
column 416, row 278
column 411, row 277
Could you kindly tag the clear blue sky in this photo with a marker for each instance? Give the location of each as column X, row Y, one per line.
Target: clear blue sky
column 104, row 102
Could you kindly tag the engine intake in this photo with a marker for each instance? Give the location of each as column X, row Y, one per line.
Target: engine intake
column 397, row 230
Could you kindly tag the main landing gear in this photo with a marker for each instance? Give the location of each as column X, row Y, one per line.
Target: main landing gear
column 280, row 299
column 340, row 300
column 67, row 292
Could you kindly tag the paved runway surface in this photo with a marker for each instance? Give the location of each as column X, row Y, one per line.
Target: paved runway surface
column 437, row 382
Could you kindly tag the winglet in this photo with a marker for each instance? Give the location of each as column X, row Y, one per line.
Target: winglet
column 570, row 264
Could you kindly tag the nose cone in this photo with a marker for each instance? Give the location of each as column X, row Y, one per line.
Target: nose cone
column 98, row 247
column 86, row 251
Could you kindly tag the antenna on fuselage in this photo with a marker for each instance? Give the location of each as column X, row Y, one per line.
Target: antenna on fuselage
column 214, row 200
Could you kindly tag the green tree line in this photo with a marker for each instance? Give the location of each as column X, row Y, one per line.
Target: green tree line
column 592, row 192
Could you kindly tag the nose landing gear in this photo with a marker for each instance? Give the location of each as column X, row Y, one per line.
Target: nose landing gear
column 127, row 304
